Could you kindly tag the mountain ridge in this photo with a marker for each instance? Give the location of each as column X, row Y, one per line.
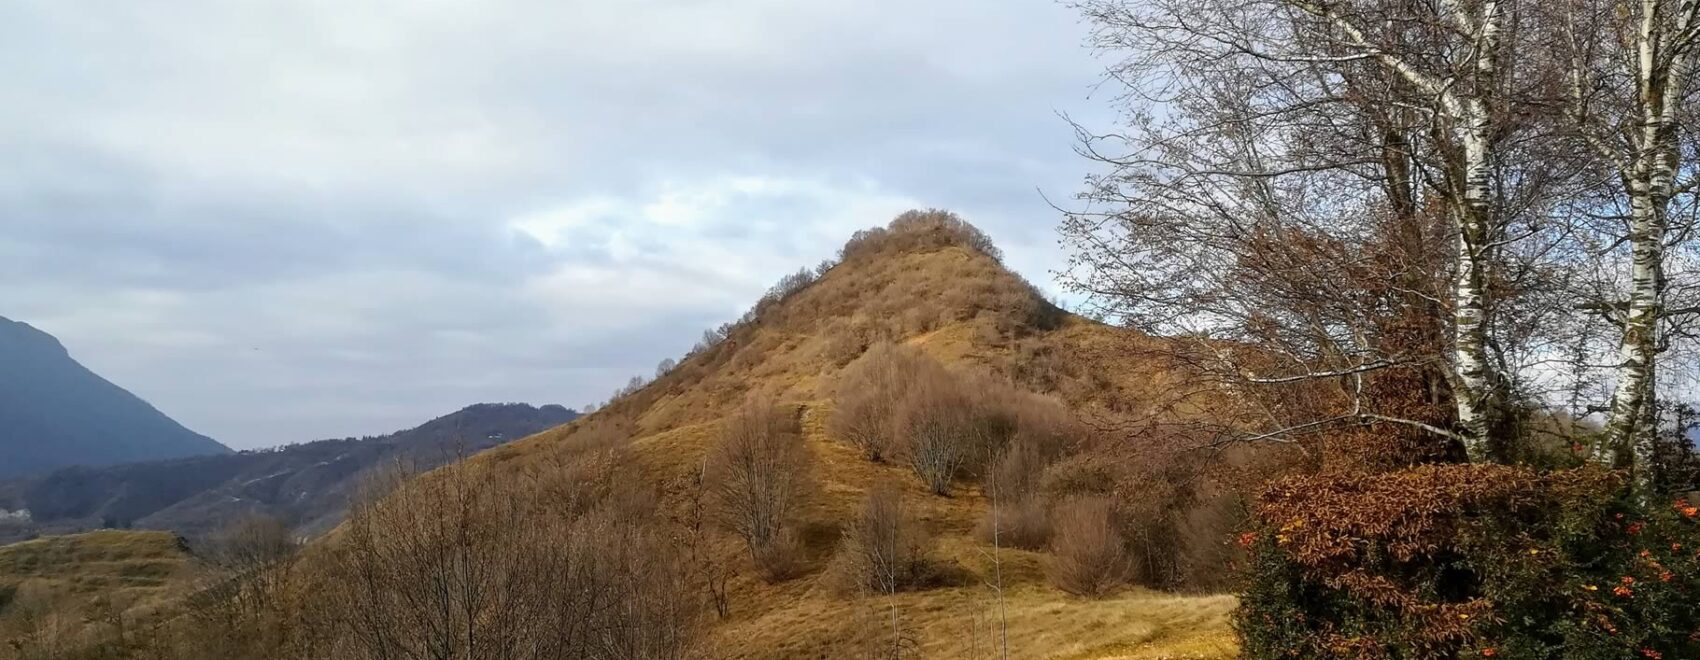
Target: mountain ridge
column 55, row 412
column 305, row 484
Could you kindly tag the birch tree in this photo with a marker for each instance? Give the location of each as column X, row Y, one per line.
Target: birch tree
column 1631, row 78
column 1350, row 187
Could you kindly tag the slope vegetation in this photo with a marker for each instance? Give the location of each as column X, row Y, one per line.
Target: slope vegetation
column 954, row 301
column 732, row 508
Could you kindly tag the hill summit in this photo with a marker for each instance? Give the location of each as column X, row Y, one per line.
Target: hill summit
column 933, row 289
column 889, row 455
column 56, row 413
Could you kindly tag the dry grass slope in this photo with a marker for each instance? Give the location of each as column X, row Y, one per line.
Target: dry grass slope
column 62, row 589
column 965, row 310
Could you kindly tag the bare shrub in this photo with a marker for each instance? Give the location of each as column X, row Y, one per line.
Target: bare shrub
column 954, row 426
column 1023, row 523
column 250, row 543
column 1205, row 537
column 451, row 565
column 937, row 420
column 916, row 229
column 883, row 551
column 1089, row 557
column 760, row 476
column 845, row 341
column 251, row 599
column 869, row 393
column 1045, row 432
column 1084, row 474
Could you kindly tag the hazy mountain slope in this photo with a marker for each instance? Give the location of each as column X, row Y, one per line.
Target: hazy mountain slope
column 307, row 485
column 55, row 413
column 964, row 308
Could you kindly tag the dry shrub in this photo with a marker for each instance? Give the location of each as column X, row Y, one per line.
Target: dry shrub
column 918, row 230
column 1023, row 523
column 249, row 543
column 869, row 393
column 894, row 401
column 566, row 557
column 1088, row 474
column 1045, row 432
column 1089, row 557
column 939, row 421
column 954, row 426
column 1151, row 493
column 1206, row 548
column 847, row 340
column 883, row 551
column 458, row 564
column 921, row 318
column 760, row 476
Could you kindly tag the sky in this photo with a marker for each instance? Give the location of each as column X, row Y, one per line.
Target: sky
column 281, row 221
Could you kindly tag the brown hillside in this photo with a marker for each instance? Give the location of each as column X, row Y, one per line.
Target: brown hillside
column 960, row 306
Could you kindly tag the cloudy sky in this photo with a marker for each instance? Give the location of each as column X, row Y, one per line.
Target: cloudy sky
column 287, row 220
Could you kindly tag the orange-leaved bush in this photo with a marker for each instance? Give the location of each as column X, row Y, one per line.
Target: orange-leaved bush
column 1450, row 561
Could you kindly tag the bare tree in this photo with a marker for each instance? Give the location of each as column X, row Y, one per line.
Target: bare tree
column 698, row 540
column 1324, row 193
column 760, row 478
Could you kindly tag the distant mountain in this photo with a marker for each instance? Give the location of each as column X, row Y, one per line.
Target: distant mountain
column 56, row 413
column 307, row 485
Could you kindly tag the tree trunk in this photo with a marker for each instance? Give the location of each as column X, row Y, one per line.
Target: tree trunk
column 1649, row 183
column 1476, row 397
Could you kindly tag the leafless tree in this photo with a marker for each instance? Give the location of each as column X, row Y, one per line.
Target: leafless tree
column 1323, row 193
column 760, row 477
column 698, row 541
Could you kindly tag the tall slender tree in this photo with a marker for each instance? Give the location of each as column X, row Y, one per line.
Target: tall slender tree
column 1630, row 74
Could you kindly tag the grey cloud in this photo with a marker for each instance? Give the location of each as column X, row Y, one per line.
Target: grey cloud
column 281, row 221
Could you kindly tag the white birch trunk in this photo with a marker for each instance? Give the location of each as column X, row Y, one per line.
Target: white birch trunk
column 1475, row 398
column 1649, row 181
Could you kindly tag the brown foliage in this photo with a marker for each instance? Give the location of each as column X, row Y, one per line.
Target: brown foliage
column 759, row 476
column 1089, row 557
column 1325, row 518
